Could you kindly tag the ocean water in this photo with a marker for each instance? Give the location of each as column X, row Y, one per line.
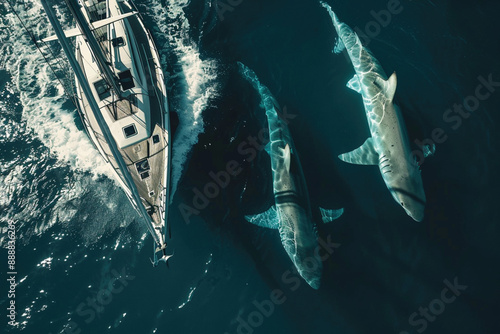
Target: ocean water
column 82, row 255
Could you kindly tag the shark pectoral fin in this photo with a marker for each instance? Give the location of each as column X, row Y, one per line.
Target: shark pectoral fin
column 288, row 157
column 363, row 155
column 339, row 46
column 354, row 84
column 328, row 215
column 268, row 219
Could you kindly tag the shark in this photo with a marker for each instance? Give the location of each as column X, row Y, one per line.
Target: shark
column 388, row 146
column 291, row 213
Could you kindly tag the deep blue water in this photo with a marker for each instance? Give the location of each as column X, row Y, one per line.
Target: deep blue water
column 76, row 229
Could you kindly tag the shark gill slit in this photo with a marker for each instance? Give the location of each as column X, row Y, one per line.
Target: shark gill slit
column 289, row 197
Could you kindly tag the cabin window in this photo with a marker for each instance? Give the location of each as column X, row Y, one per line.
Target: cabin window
column 145, row 175
column 156, row 139
column 102, row 88
column 126, row 79
column 118, row 41
column 130, row 130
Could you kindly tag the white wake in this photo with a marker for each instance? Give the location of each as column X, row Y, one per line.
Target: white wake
column 41, row 95
column 200, row 77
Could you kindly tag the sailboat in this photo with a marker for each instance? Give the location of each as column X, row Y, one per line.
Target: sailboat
column 122, row 101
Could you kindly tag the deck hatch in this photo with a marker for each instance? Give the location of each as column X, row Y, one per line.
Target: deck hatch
column 126, row 79
column 142, row 166
column 102, row 88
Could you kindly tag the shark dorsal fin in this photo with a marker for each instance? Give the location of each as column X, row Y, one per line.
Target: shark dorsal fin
column 366, row 154
column 287, row 155
column 388, row 86
column 392, row 83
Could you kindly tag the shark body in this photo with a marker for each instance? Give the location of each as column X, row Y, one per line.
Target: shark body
column 291, row 214
column 388, row 147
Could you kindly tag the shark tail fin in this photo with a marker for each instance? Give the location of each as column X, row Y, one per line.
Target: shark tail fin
column 328, row 215
column 335, row 19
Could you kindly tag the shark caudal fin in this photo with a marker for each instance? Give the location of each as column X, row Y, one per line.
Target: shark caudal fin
column 335, row 20
column 363, row 155
column 328, row 215
column 268, row 219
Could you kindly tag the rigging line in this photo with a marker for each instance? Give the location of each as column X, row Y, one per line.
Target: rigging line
column 33, row 38
column 101, row 75
column 122, row 109
column 141, row 84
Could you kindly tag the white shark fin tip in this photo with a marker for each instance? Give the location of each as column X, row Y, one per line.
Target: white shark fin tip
column 328, row 215
column 392, row 83
column 429, row 150
column 287, row 157
column 388, row 87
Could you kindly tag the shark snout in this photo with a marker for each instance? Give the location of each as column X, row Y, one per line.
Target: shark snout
column 416, row 214
column 413, row 204
column 310, row 269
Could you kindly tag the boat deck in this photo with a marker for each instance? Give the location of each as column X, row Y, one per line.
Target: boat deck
column 147, row 160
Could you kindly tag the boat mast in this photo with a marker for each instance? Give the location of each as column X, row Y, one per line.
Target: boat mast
column 95, row 47
column 100, row 120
